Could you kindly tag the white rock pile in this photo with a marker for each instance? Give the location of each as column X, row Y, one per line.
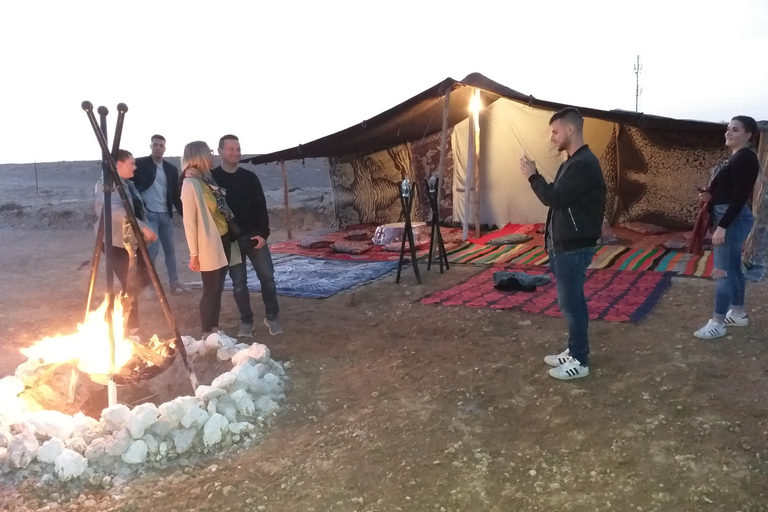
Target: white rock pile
column 235, row 407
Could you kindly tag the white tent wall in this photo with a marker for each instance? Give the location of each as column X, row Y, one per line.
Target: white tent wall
column 506, row 127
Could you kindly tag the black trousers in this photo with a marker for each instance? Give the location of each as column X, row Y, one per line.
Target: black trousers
column 131, row 285
column 213, row 286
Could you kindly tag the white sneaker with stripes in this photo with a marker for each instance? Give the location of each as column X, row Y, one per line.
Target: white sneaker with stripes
column 569, row 370
column 732, row 320
column 561, row 358
column 711, row 331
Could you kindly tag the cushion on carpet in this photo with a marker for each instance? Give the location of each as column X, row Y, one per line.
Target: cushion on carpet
column 315, row 243
column 514, row 238
column 644, row 228
column 351, row 247
column 359, row 235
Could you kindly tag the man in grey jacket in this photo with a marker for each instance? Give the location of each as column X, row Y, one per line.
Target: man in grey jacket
column 576, row 201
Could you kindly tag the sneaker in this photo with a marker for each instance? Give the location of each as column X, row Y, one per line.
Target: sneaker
column 561, row 358
column 710, row 331
column 245, row 330
column 735, row 320
column 274, row 326
column 176, row 288
column 571, row 369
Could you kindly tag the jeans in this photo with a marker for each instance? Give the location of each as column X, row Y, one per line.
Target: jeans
column 729, row 289
column 162, row 224
column 213, row 286
column 138, row 281
column 261, row 259
column 570, row 271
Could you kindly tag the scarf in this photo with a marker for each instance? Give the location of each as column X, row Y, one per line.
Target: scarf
column 218, row 193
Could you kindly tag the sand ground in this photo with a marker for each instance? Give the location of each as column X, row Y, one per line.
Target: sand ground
column 398, row 406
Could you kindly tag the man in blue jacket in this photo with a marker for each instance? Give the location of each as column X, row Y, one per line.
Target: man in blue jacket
column 576, row 201
column 157, row 180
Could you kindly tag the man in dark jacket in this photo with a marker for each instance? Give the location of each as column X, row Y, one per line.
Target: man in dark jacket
column 157, row 180
column 245, row 198
column 576, row 201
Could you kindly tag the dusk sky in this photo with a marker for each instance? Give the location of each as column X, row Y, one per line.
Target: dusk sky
column 282, row 73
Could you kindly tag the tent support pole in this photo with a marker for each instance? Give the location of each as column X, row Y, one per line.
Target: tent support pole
column 443, row 148
column 477, row 170
column 287, row 207
column 468, row 179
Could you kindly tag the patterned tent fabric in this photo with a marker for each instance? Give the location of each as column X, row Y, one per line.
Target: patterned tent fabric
column 655, row 181
column 366, row 188
column 426, row 159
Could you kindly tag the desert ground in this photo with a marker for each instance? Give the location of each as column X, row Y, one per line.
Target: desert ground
column 394, row 405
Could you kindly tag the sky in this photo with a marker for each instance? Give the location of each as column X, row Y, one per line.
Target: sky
column 285, row 72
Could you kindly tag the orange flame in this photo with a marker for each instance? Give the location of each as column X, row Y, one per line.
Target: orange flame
column 89, row 346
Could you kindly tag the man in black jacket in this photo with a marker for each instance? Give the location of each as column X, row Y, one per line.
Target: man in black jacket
column 576, row 201
column 158, row 183
column 245, row 198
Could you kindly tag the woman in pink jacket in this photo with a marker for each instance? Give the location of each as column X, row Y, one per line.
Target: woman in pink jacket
column 206, row 217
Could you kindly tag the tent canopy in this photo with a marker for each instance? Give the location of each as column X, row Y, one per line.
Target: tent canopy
column 423, row 114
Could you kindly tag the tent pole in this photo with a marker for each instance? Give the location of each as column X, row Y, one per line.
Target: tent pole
column 443, row 150
column 287, row 207
column 757, row 199
column 477, row 168
column 469, row 176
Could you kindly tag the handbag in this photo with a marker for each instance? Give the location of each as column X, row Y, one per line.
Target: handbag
column 234, row 231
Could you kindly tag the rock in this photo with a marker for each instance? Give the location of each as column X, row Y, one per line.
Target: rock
column 226, row 353
column 116, row 417
column 259, row 352
column 276, row 368
column 262, row 369
column 241, row 427
column 228, row 490
column 196, row 347
column 274, row 383
column 162, row 449
column 183, row 439
column 243, row 358
column 243, row 402
column 142, row 417
column 245, row 374
column 207, row 392
column 162, row 428
column 82, row 424
column 5, row 438
column 265, row 405
column 136, row 453
column 224, row 380
column 22, row 450
column 259, row 387
column 11, row 386
column 174, row 410
column 50, row 450
column 195, row 418
column 118, row 442
column 214, row 428
column 51, row 423
column 212, row 341
column 97, row 449
column 76, row 444
column 152, row 445
column 211, row 407
column 69, row 464
column 226, row 341
column 228, row 409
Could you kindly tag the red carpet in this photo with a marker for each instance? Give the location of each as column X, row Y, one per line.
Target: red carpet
column 612, row 295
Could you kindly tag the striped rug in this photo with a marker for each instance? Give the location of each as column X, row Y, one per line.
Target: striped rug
column 609, row 256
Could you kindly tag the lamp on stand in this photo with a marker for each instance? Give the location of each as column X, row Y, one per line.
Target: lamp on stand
column 435, row 236
column 406, row 198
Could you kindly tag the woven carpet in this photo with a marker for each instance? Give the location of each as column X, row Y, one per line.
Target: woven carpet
column 608, row 256
column 612, row 295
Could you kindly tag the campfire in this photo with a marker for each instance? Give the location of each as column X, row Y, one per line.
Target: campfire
column 89, row 349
